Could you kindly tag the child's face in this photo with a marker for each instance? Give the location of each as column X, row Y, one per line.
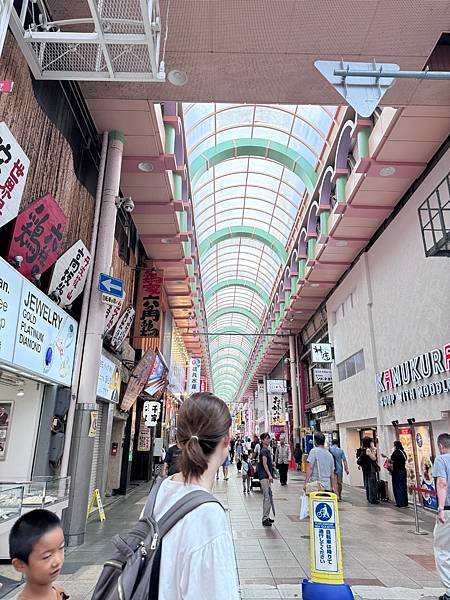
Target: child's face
column 46, row 559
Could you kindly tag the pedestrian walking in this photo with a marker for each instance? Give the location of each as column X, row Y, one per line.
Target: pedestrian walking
column 246, row 473
column 298, row 454
column 225, row 466
column 265, row 476
column 399, row 479
column 441, row 470
column 367, row 460
column 203, row 537
column 239, row 450
column 232, row 447
column 256, row 447
column 320, row 465
column 340, row 463
column 282, row 460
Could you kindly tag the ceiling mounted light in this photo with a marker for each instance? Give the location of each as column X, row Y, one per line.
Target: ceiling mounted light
column 341, row 243
column 145, row 166
column 387, row 171
column 315, row 285
column 177, row 77
column 20, row 391
column 169, row 241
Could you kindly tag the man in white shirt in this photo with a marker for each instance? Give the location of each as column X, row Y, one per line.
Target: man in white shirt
column 441, row 470
column 320, row 466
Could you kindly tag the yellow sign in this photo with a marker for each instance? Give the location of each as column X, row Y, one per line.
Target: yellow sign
column 325, row 539
column 96, row 499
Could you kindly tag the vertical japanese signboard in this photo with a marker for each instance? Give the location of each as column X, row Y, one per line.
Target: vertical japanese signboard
column 38, row 235
column 122, row 328
column 70, row 274
column 148, row 318
column 14, row 165
column 112, row 313
column 195, row 367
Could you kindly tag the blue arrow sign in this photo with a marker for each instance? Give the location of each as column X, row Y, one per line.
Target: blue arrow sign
column 109, row 285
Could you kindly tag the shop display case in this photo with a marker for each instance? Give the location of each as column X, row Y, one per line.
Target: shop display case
column 10, row 502
column 46, row 492
column 19, row 497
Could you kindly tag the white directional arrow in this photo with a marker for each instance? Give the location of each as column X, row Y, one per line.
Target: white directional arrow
column 109, row 285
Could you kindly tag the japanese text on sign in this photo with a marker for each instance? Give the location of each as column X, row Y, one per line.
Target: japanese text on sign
column 195, row 367
column 321, row 353
column 277, row 410
column 122, row 328
column 149, row 304
column 112, row 313
column 70, row 274
column 38, row 236
column 14, row 166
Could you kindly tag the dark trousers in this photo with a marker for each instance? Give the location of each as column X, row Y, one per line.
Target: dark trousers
column 371, row 485
column 400, row 488
column 283, row 469
column 231, row 455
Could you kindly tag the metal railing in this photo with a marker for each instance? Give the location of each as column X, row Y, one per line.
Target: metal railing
column 434, row 217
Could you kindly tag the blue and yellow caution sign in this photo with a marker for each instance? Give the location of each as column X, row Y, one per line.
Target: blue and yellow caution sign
column 325, row 539
column 96, row 499
column 327, row 575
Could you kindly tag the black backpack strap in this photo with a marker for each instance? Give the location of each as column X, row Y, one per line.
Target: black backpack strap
column 179, row 510
column 183, row 507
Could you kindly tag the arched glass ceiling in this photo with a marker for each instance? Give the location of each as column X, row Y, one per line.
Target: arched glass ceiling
column 245, row 188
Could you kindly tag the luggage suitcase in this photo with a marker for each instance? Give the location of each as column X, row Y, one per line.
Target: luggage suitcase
column 383, row 493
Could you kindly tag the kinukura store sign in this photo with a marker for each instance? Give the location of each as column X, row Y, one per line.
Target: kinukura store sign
column 35, row 334
column 414, row 373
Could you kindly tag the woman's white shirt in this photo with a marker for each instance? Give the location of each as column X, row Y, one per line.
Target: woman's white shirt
column 197, row 559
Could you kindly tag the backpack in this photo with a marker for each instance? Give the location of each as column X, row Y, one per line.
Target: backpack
column 133, row 572
column 251, row 470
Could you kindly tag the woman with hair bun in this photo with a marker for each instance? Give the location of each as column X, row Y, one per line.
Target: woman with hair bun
column 197, row 558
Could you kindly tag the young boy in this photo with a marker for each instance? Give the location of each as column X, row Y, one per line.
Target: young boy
column 246, row 473
column 36, row 547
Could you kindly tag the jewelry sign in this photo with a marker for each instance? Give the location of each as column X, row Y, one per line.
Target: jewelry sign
column 14, row 166
column 37, row 236
column 70, row 274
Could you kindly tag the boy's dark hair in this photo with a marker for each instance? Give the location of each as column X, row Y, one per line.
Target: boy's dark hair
column 263, row 436
column 319, row 438
column 244, row 456
column 28, row 529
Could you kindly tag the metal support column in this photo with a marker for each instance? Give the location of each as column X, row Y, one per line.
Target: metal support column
column 266, row 407
column 82, row 445
column 294, row 389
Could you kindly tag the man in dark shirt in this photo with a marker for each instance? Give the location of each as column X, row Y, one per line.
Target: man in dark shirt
column 265, row 470
column 171, row 461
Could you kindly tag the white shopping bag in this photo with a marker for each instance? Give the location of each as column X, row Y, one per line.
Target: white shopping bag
column 304, row 507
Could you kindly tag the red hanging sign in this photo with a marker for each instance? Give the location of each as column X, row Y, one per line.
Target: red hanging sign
column 37, row 236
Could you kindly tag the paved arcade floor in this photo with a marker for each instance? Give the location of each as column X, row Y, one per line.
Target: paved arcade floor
column 381, row 559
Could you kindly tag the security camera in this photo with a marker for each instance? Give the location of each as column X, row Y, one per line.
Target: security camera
column 126, row 203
